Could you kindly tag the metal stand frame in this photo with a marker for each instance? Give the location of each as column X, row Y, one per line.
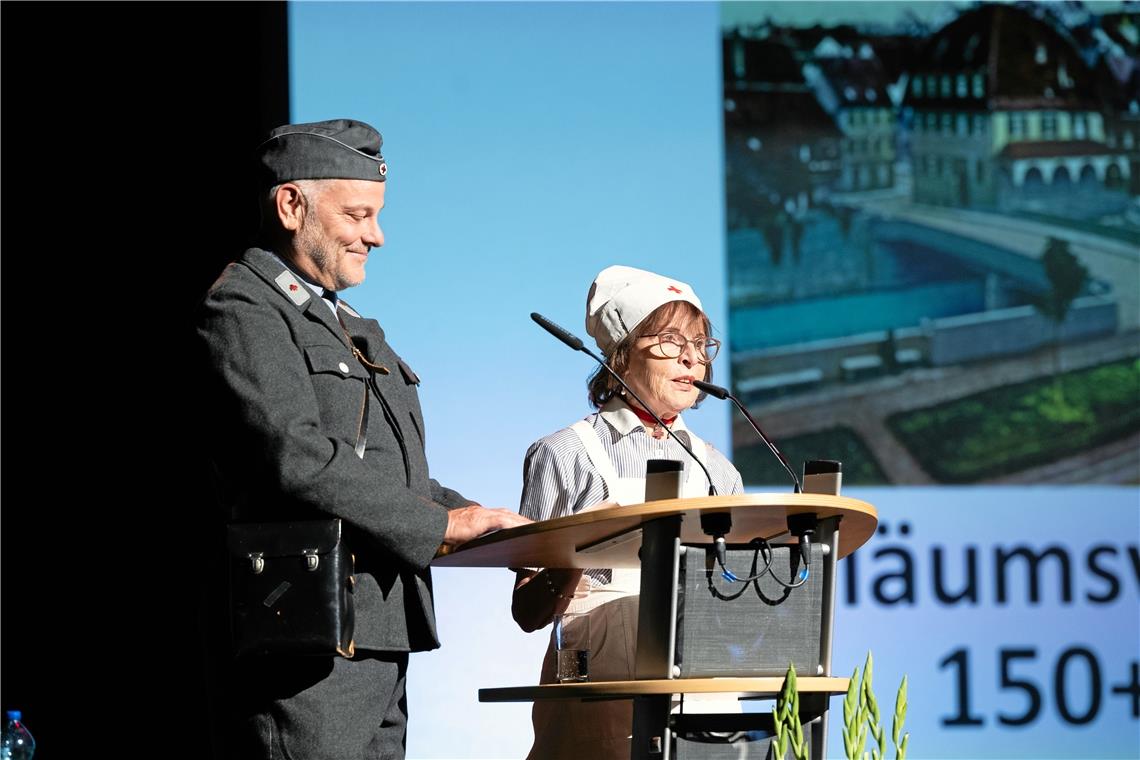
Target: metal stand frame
column 660, row 563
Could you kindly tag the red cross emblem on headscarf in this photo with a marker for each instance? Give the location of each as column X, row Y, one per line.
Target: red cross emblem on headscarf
column 674, row 288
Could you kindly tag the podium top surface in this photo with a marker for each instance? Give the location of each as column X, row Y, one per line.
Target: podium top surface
column 611, row 537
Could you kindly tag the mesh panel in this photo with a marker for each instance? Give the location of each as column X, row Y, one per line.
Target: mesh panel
column 753, row 629
column 740, row 746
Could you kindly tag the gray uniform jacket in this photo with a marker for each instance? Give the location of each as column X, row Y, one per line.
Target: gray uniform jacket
column 284, row 395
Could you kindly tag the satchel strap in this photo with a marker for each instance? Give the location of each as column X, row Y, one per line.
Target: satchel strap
column 362, row 426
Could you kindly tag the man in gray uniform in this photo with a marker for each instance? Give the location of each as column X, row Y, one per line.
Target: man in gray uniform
column 312, row 414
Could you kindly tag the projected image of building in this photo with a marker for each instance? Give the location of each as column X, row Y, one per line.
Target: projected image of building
column 948, row 226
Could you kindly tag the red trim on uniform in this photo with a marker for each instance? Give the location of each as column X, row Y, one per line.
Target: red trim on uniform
column 647, row 418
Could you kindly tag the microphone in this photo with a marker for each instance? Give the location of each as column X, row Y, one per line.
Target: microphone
column 575, row 343
column 722, row 393
column 801, row 526
column 570, row 340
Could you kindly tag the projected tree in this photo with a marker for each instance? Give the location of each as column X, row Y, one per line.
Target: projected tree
column 1067, row 277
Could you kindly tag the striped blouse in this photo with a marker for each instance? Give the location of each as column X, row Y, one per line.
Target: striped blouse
column 559, row 479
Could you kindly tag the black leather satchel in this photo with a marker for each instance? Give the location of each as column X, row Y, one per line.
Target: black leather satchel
column 290, row 588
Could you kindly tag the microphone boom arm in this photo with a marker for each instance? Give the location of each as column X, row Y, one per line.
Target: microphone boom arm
column 722, row 393
column 576, row 344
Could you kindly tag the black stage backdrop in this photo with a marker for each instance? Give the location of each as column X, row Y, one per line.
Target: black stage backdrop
column 127, row 133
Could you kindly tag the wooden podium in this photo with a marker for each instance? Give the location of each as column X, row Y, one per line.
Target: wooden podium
column 655, row 537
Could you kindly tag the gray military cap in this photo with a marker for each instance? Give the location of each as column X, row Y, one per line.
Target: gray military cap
column 335, row 149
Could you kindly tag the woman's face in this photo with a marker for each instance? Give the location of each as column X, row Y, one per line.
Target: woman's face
column 666, row 384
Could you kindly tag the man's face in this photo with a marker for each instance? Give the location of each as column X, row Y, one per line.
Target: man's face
column 340, row 227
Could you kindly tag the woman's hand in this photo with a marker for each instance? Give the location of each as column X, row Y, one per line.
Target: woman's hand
column 539, row 596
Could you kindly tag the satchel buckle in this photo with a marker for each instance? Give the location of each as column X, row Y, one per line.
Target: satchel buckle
column 312, row 561
column 257, row 562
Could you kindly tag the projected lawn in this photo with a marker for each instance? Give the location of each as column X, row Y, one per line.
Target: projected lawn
column 759, row 467
column 1008, row 429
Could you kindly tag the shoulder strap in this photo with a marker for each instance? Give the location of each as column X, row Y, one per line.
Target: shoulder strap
column 597, row 454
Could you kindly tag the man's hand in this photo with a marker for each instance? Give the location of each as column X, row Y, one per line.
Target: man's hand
column 466, row 523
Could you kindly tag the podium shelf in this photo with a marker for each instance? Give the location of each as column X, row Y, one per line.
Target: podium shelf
column 746, row 687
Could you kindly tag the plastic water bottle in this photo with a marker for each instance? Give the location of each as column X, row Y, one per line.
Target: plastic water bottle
column 17, row 742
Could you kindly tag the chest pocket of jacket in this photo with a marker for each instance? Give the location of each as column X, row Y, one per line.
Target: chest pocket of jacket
column 338, row 382
column 411, row 382
column 333, row 360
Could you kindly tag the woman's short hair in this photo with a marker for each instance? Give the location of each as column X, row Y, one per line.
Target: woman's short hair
column 602, row 385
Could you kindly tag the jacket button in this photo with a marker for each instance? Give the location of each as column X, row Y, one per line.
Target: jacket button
column 344, row 368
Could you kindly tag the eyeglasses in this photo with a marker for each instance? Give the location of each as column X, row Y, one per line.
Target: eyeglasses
column 673, row 345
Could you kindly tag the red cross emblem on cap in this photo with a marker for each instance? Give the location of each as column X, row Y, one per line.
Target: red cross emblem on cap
column 674, row 288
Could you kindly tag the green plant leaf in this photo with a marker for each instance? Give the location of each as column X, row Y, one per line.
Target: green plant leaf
column 900, row 713
column 851, row 701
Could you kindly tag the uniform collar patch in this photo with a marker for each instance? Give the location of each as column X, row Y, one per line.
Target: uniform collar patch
column 297, row 291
